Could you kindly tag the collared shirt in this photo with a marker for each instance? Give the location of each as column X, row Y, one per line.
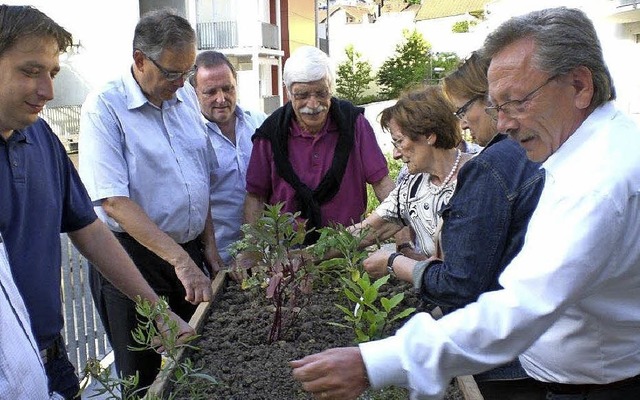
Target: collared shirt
column 412, row 203
column 229, row 187
column 41, row 196
column 311, row 156
column 570, row 298
column 22, row 374
column 159, row 157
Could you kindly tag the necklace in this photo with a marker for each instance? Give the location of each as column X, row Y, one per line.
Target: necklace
column 434, row 189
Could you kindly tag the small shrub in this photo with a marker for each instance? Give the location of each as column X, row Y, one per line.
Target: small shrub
column 354, row 76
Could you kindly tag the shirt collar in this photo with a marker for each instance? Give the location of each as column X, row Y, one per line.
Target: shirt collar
column 135, row 96
column 584, row 132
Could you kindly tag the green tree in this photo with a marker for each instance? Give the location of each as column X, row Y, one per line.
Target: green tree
column 440, row 65
column 354, row 76
column 409, row 64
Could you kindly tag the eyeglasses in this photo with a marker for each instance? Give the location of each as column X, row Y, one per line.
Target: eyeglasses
column 514, row 108
column 171, row 76
column 460, row 112
column 320, row 95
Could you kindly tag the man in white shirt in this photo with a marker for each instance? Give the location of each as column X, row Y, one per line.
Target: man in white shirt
column 570, row 307
column 229, row 128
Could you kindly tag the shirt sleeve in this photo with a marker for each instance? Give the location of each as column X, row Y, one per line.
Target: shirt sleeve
column 259, row 176
column 502, row 324
column 103, row 167
column 375, row 165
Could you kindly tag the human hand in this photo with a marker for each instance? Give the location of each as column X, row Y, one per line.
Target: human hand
column 242, row 265
column 196, row 284
column 213, row 258
column 184, row 333
column 376, row 263
column 333, row 374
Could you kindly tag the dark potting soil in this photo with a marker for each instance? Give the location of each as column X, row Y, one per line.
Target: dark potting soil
column 233, row 344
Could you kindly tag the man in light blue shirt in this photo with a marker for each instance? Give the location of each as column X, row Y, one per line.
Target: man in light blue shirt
column 147, row 165
column 229, row 128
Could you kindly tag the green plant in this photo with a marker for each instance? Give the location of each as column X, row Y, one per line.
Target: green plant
column 372, row 313
column 185, row 378
column 354, row 76
column 279, row 265
column 345, row 245
column 409, row 65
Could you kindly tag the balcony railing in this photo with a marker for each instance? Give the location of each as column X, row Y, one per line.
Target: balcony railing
column 270, row 103
column 626, row 3
column 224, row 35
column 270, row 36
column 65, row 122
column 217, row 35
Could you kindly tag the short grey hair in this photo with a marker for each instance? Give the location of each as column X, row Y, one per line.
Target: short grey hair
column 308, row 64
column 565, row 38
column 162, row 29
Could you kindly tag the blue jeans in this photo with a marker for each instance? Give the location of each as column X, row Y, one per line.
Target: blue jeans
column 62, row 376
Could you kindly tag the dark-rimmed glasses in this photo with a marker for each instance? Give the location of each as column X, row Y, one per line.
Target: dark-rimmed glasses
column 460, row 112
column 171, row 76
column 514, row 108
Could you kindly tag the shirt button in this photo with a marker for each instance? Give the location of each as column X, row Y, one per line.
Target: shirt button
column 316, row 155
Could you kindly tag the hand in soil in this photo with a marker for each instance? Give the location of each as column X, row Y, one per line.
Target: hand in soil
column 184, row 334
column 333, row 374
column 195, row 282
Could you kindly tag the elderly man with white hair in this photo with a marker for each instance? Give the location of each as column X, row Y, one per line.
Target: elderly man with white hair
column 316, row 153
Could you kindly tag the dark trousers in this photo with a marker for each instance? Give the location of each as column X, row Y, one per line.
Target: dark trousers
column 118, row 313
column 516, row 389
column 623, row 390
column 61, row 374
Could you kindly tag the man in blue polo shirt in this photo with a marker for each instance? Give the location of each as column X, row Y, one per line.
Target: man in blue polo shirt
column 41, row 194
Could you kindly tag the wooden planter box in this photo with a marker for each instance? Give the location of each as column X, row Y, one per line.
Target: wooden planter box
column 466, row 384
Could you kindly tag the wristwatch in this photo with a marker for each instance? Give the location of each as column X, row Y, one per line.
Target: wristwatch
column 390, row 261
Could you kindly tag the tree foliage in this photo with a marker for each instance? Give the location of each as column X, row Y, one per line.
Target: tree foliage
column 354, row 76
column 408, row 65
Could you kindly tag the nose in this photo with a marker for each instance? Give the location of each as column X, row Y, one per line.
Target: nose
column 45, row 87
column 312, row 101
column 218, row 97
column 506, row 123
column 396, row 153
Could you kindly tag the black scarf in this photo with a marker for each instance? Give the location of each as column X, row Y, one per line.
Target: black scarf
column 276, row 128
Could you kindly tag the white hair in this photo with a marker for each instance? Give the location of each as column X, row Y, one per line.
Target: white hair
column 308, row 64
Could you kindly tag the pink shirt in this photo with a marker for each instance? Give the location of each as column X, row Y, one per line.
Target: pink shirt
column 311, row 157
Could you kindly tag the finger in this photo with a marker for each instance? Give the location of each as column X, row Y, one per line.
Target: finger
column 190, row 295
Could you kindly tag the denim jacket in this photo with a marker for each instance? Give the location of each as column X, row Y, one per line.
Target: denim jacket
column 484, row 225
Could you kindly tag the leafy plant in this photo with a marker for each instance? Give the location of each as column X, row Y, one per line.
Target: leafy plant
column 186, row 379
column 345, row 245
column 394, row 170
column 369, row 318
column 354, row 76
column 280, row 266
column 409, row 65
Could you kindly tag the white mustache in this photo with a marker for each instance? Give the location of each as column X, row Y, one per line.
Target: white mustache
column 312, row 111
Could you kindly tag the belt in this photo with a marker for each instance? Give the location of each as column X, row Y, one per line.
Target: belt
column 54, row 351
column 567, row 388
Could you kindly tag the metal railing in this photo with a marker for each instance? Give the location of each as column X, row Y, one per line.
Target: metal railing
column 65, row 122
column 270, row 36
column 83, row 332
column 217, row 35
column 270, row 104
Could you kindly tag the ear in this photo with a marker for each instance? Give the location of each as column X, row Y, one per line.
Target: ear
column 582, row 81
column 138, row 60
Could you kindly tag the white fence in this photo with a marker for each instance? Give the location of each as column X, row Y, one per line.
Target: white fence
column 83, row 331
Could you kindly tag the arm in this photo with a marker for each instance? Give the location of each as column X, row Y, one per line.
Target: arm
column 383, row 187
column 253, row 207
column 208, row 239
column 404, row 239
column 137, row 224
column 100, row 247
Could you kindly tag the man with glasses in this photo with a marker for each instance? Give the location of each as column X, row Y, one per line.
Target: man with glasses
column 147, row 165
column 570, row 303
column 316, row 153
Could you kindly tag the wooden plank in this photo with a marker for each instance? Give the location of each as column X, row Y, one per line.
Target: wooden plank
column 197, row 320
column 469, row 388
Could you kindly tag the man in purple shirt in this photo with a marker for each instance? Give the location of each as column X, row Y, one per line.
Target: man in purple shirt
column 316, row 153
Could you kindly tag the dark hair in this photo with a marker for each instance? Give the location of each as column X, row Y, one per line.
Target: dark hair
column 162, row 29
column 565, row 38
column 469, row 80
column 210, row 58
column 424, row 110
column 17, row 22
